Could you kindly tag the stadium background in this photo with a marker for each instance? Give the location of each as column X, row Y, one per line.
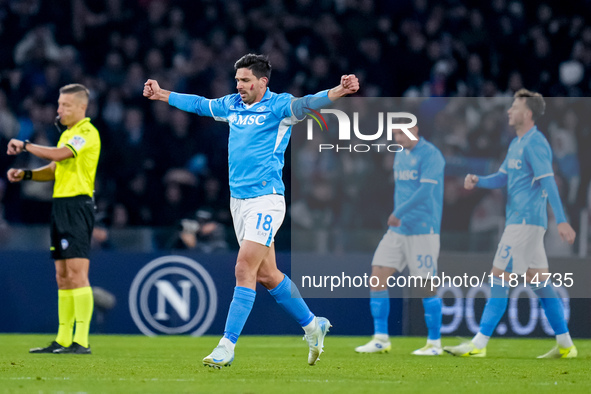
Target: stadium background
column 160, row 166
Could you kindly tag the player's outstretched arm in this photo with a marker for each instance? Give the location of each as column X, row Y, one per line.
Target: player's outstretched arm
column 185, row 102
column 303, row 105
column 494, row 181
column 153, row 91
column 470, row 181
column 349, row 85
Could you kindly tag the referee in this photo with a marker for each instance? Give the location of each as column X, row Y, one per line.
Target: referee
column 73, row 166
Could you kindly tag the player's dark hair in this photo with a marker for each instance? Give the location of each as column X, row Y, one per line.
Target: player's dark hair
column 258, row 64
column 534, row 101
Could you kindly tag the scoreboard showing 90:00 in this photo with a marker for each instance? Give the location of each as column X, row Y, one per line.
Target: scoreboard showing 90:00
column 524, row 314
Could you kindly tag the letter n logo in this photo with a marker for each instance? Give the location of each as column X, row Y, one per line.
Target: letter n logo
column 173, row 295
column 180, row 303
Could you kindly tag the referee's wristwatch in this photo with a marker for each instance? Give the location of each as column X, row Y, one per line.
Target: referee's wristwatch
column 25, row 145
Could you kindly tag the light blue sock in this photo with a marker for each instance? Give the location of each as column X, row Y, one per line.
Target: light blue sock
column 240, row 308
column 379, row 303
column 432, row 308
column 553, row 307
column 495, row 307
column 288, row 296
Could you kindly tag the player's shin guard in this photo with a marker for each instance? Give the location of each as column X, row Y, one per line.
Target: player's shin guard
column 83, row 306
column 432, row 308
column 553, row 307
column 379, row 303
column 240, row 308
column 65, row 310
column 495, row 307
column 288, row 296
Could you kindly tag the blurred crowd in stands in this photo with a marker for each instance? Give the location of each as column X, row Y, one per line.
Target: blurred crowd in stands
column 160, row 166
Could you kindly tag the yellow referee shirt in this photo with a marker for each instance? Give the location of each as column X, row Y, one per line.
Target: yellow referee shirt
column 75, row 176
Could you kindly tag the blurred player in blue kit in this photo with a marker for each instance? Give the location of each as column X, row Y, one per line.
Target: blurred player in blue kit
column 260, row 124
column 412, row 239
column 527, row 172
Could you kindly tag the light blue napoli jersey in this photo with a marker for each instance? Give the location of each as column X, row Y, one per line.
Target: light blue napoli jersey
column 421, row 214
column 528, row 160
column 259, row 134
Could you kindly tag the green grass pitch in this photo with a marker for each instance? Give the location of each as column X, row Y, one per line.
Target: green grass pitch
column 277, row 364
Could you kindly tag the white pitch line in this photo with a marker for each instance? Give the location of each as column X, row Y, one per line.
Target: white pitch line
column 99, row 379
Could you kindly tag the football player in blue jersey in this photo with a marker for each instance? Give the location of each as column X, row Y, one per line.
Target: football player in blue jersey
column 412, row 239
column 527, row 173
column 260, row 126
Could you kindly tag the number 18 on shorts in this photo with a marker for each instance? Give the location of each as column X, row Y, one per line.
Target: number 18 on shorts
column 258, row 219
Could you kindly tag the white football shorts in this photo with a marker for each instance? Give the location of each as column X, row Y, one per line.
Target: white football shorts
column 521, row 247
column 418, row 252
column 258, row 219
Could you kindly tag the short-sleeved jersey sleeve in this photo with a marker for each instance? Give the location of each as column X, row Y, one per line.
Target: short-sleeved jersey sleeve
column 80, row 138
column 77, row 143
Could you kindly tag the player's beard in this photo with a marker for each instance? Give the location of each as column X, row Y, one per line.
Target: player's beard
column 244, row 97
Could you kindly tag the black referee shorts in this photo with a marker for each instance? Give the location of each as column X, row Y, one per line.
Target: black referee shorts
column 72, row 220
